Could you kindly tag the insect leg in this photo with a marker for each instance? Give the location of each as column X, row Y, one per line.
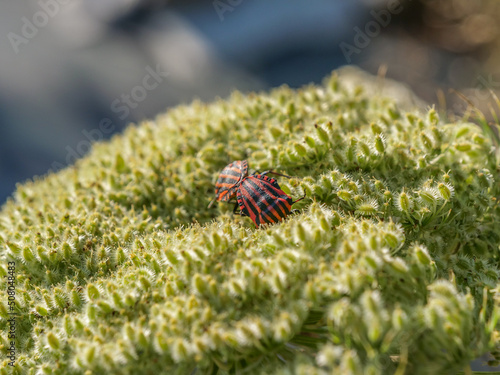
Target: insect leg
column 276, row 173
column 212, row 202
column 299, row 199
column 236, row 206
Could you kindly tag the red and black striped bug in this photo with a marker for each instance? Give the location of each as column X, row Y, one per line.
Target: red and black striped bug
column 261, row 198
column 229, row 178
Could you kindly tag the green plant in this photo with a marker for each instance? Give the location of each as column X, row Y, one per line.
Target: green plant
column 391, row 266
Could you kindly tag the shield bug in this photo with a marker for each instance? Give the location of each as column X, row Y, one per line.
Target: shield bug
column 261, row 198
column 229, row 178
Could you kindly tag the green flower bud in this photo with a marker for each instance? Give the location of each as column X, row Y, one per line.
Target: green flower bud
column 259, row 155
column 200, row 285
column 428, row 196
column 90, row 355
column 422, row 162
column 161, row 343
column 364, row 148
column 337, row 157
column 236, row 288
column 399, row 266
column 142, row 339
column 53, row 341
column 412, row 119
column 216, row 240
column 275, row 132
column 283, row 327
column 145, row 283
column 300, row 149
column 171, row 257
column 76, row 298
column 423, row 256
column 437, row 134
column 326, row 183
column 104, row 307
column 280, row 241
column 393, row 113
column 180, row 351
column 380, row 143
column 391, row 240
column 353, row 187
column 117, row 299
column 433, row 117
column 387, row 195
column 344, row 195
column 478, row 139
column 463, row 130
column 426, row 141
column 446, row 191
column 91, row 313
column 351, row 363
column 324, row 224
column 335, row 219
column 399, row 318
column 368, row 208
column 322, row 134
column 67, row 325
column 375, row 128
column 92, row 292
column 310, row 141
column 59, row 298
column 464, row 146
column 403, row 202
column 28, row 255
column 15, row 249
column 301, row 233
column 40, row 310
column 379, row 185
column 317, row 190
column 169, row 289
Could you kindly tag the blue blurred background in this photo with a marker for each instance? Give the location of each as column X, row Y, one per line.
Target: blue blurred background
column 74, row 71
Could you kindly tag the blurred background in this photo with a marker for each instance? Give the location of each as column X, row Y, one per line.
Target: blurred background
column 75, row 71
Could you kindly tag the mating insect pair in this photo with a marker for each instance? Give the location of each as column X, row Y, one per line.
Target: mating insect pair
column 258, row 196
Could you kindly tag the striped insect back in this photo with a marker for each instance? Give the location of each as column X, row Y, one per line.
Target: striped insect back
column 258, row 196
column 229, row 178
column 261, row 198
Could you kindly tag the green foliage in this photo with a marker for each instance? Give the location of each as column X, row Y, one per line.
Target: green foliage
column 390, row 265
